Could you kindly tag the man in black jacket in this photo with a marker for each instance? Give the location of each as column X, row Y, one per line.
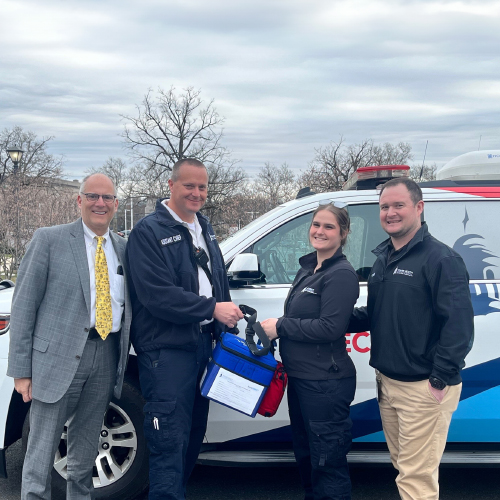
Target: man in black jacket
column 180, row 296
column 421, row 320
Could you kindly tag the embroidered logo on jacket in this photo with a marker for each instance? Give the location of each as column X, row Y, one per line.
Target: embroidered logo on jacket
column 403, row 272
column 212, row 237
column 171, row 239
column 309, row 290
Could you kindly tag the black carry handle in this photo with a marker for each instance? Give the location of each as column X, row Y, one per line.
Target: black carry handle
column 254, row 327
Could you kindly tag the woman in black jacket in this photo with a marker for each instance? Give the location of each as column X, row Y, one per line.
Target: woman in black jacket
column 322, row 377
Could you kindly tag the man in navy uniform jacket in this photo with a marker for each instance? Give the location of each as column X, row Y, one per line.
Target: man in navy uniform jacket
column 180, row 296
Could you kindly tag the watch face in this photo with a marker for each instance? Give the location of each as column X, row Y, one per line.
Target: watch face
column 437, row 384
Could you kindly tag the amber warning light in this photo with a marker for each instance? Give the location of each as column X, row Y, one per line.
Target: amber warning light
column 371, row 177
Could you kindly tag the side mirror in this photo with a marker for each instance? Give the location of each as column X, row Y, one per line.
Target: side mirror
column 245, row 268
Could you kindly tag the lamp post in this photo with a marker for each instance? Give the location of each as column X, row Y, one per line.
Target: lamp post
column 16, row 153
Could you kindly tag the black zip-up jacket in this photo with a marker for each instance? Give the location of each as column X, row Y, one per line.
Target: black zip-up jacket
column 317, row 311
column 163, row 276
column 419, row 311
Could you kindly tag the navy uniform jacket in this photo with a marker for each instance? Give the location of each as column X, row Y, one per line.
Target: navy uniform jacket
column 164, row 284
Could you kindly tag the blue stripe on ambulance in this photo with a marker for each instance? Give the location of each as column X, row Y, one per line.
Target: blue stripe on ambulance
column 477, row 417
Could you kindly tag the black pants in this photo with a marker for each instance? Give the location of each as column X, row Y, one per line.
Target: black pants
column 175, row 415
column 321, row 430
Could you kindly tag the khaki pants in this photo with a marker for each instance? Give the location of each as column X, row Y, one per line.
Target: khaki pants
column 416, row 427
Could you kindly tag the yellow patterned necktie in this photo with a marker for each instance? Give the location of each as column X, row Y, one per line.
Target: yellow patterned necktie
column 103, row 313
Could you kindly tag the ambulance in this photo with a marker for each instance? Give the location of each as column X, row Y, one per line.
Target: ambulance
column 462, row 208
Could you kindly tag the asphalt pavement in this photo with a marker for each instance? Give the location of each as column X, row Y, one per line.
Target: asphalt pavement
column 276, row 483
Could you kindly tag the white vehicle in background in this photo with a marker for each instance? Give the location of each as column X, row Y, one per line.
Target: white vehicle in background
column 462, row 212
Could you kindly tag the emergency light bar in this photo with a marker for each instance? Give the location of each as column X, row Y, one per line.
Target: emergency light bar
column 371, row 177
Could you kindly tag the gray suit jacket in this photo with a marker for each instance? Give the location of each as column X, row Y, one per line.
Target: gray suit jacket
column 50, row 314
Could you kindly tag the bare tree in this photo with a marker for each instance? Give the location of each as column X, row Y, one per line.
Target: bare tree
column 25, row 208
column 391, row 154
column 30, row 197
column 276, row 184
column 421, row 173
column 149, row 184
column 35, row 164
column 240, row 209
column 272, row 186
column 222, row 184
column 173, row 126
column 170, row 126
column 335, row 163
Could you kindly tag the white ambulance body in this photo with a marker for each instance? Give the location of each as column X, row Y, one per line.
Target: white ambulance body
column 462, row 213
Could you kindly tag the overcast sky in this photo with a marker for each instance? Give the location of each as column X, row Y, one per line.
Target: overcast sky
column 288, row 76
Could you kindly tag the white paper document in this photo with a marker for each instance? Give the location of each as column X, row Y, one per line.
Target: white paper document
column 235, row 391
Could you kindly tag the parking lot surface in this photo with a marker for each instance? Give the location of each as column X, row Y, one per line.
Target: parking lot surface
column 274, row 483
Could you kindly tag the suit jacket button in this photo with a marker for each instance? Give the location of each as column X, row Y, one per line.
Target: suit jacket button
column 77, row 357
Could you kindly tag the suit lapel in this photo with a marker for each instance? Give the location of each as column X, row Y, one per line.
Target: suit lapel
column 77, row 243
column 119, row 249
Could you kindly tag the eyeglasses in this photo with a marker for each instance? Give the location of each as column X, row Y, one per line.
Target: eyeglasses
column 338, row 204
column 106, row 198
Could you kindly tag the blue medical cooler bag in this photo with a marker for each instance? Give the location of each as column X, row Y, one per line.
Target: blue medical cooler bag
column 235, row 377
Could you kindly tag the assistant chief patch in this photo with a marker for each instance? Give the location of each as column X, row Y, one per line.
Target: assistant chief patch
column 171, row 239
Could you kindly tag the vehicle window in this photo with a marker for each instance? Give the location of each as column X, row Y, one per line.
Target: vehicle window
column 461, row 225
column 279, row 251
column 366, row 234
column 470, row 228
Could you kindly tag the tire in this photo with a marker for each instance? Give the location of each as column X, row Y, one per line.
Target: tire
column 121, row 471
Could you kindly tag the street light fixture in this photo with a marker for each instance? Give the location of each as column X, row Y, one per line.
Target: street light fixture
column 15, row 153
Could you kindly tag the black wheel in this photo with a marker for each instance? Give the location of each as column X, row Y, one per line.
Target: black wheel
column 121, row 469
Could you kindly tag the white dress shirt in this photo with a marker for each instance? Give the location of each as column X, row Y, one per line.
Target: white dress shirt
column 116, row 281
column 198, row 241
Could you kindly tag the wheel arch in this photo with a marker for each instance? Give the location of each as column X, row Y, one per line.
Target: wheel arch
column 18, row 410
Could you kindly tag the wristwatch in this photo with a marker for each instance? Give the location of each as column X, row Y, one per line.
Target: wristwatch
column 436, row 383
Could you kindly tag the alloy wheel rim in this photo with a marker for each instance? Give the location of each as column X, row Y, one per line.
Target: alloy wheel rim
column 117, row 448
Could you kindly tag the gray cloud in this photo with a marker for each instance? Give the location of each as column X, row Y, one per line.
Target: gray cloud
column 289, row 76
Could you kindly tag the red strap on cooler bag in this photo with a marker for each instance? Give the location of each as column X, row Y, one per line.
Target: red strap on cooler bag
column 274, row 394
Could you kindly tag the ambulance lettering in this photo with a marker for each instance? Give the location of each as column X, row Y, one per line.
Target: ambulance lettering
column 359, row 342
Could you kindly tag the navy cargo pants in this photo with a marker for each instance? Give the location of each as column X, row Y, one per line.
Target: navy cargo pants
column 321, row 432
column 175, row 415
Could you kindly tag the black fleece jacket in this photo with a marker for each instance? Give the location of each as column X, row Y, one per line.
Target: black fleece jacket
column 419, row 311
column 317, row 311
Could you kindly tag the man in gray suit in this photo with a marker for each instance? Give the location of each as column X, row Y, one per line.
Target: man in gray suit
column 69, row 338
